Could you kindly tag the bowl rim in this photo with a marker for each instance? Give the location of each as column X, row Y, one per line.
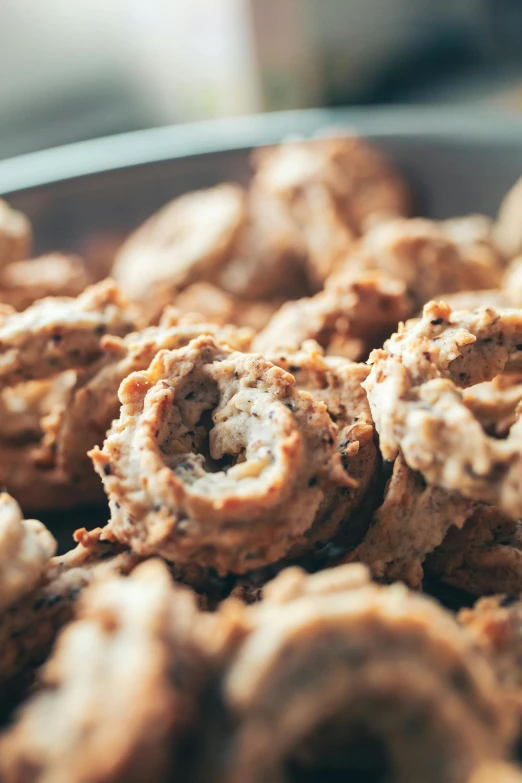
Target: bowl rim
column 446, row 124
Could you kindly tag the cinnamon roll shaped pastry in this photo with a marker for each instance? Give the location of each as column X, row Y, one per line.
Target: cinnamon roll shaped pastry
column 415, row 393
column 32, row 615
column 338, row 676
column 217, row 458
column 118, row 695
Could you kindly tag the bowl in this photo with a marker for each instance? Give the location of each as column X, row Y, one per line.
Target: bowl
column 85, row 197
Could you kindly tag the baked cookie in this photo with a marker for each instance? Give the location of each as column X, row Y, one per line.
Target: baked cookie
column 217, row 458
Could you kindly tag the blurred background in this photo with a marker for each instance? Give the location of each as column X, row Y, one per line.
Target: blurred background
column 78, row 69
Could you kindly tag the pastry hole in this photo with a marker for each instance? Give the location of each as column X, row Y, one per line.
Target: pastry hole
column 334, row 759
column 184, row 435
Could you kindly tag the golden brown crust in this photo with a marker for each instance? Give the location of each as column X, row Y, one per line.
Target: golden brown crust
column 330, row 660
column 15, row 235
column 56, row 274
column 235, row 495
column 417, row 404
column 352, row 315
column 121, row 714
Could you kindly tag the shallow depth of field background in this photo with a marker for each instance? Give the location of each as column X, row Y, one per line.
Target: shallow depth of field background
column 77, row 69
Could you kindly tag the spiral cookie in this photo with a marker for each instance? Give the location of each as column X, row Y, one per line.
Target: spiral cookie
column 15, row 235
column 333, row 189
column 411, row 522
column 337, row 383
column 29, row 624
column 363, row 182
column 484, row 556
column 352, row 315
column 217, row 458
column 431, row 257
column 121, row 714
column 417, row 404
column 56, row 334
column 187, row 239
column 339, row 676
